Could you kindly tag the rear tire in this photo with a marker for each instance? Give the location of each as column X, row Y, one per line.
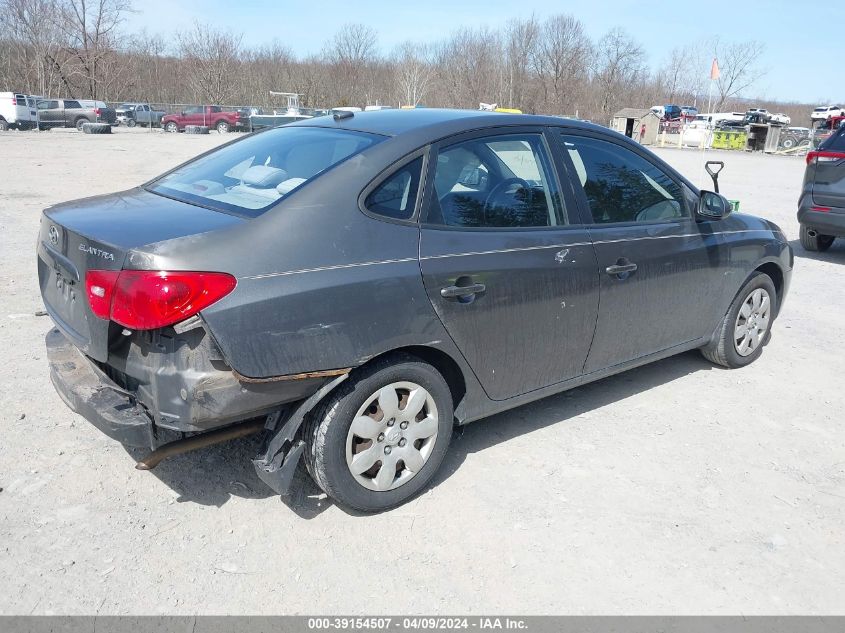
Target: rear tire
column 334, row 446
column 96, row 128
column 729, row 348
column 196, row 129
column 80, row 122
column 815, row 243
column 4, row 125
column 222, row 127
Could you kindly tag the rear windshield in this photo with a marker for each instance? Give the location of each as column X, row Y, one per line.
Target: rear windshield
column 249, row 176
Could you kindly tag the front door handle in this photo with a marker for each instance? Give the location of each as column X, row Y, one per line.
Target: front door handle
column 621, row 267
column 450, row 292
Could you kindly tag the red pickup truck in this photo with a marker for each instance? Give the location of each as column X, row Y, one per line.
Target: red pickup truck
column 212, row 116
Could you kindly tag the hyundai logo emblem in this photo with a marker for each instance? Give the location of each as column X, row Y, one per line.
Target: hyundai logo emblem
column 54, row 235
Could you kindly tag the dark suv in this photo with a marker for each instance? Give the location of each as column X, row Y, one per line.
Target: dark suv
column 821, row 208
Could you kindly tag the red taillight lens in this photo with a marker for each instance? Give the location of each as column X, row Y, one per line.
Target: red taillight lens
column 99, row 286
column 150, row 299
column 97, row 111
column 824, row 157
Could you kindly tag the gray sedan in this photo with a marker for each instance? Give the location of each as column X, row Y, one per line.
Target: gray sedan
column 354, row 286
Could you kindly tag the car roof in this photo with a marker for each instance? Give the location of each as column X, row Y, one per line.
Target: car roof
column 433, row 122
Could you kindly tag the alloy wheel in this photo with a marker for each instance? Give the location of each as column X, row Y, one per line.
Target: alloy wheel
column 392, row 436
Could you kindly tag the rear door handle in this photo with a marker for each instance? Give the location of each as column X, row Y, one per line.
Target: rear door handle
column 621, row 267
column 450, row 292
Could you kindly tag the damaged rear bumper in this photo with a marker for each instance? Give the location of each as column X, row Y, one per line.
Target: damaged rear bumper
column 91, row 394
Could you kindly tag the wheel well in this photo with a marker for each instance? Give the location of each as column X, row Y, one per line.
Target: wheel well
column 441, row 361
column 775, row 274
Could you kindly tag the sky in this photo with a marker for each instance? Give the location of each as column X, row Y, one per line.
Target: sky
column 792, row 40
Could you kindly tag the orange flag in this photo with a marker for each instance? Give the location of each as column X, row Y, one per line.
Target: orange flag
column 714, row 70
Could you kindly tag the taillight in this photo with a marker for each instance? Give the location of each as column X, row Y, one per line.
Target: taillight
column 99, row 285
column 150, row 299
column 97, row 111
column 824, row 156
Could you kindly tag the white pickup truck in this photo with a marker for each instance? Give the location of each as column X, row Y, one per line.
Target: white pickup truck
column 17, row 111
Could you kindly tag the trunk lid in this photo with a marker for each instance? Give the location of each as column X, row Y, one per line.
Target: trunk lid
column 97, row 234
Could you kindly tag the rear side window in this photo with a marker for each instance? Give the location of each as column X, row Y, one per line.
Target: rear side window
column 622, row 186
column 396, row 196
column 250, row 176
column 70, row 105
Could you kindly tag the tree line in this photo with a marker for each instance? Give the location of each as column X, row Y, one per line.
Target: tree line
column 79, row 48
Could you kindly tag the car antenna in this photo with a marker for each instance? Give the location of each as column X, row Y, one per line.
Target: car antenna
column 344, row 114
column 714, row 173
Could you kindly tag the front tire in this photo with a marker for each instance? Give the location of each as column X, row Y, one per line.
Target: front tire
column 171, row 126
column 378, row 439
column 815, row 242
column 746, row 327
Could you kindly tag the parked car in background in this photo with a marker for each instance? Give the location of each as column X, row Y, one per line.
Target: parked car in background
column 825, row 112
column 304, row 282
column 781, row 118
column 671, row 112
column 689, row 111
column 212, row 116
column 821, row 208
column 73, row 113
column 17, row 111
column 825, row 128
column 132, row 114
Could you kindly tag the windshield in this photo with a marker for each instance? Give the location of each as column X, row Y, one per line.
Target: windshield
column 249, row 176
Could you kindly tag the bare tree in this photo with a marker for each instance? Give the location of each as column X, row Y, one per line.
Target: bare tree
column 413, row 70
column 470, row 69
column 739, row 65
column 31, row 27
column 349, row 53
column 90, row 30
column 561, row 62
column 619, row 65
column 684, row 73
column 210, row 61
column 520, row 39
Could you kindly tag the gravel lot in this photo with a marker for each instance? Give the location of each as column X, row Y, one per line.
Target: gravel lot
column 671, row 489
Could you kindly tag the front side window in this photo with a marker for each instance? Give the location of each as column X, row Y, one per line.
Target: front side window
column 396, row 196
column 495, row 182
column 621, row 185
column 249, row 176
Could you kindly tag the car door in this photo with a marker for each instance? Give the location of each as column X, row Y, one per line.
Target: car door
column 655, row 261
column 506, row 260
column 49, row 113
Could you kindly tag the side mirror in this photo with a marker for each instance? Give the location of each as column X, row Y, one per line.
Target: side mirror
column 712, row 206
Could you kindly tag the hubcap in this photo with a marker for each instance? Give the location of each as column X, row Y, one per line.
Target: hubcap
column 752, row 322
column 383, row 455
